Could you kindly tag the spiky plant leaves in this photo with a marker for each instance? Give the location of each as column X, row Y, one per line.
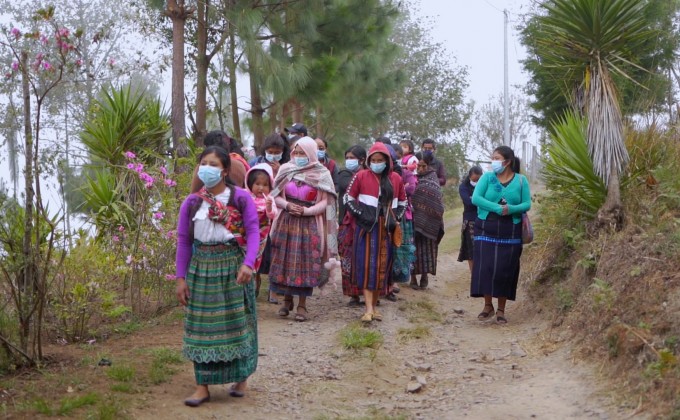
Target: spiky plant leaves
column 568, row 170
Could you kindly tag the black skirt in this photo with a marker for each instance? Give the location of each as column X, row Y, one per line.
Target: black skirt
column 497, row 252
column 467, row 233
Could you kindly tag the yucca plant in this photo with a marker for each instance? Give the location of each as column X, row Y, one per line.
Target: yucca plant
column 568, row 168
column 585, row 42
column 106, row 203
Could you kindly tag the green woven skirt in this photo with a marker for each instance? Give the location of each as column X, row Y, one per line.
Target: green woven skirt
column 220, row 323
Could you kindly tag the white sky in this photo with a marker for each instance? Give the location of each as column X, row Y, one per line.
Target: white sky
column 472, row 31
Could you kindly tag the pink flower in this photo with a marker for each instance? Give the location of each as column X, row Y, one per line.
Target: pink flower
column 15, row 65
column 115, row 238
column 170, row 234
column 63, row 32
column 16, row 32
column 121, row 228
column 158, row 215
column 170, row 277
column 170, row 183
column 139, row 167
column 163, row 170
column 46, row 65
column 131, row 166
column 148, row 185
column 79, row 62
column 43, row 39
column 112, row 62
column 39, row 57
column 146, row 178
column 128, row 260
column 130, row 155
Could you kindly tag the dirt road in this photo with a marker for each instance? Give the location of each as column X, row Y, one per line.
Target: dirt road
column 469, row 368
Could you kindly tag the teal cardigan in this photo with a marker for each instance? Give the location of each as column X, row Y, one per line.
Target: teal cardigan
column 489, row 192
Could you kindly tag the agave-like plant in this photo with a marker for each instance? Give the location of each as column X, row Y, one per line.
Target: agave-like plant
column 569, row 169
column 585, row 42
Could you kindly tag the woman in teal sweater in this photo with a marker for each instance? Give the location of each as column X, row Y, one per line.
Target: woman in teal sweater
column 501, row 196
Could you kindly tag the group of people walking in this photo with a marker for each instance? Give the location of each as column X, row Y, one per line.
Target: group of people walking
column 288, row 211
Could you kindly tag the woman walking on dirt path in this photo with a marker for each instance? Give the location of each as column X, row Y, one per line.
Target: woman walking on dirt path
column 355, row 160
column 214, row 279
column 467, row 231
column 428, row 221
column 376, row 200
column 304, row 234
column 501, row 196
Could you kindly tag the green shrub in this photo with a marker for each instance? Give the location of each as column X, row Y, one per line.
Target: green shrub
column 355, row 337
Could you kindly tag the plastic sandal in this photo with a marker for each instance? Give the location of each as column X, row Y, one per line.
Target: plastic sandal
column 486, row 314
column 367, row 318
column 300, row 317
column 501, row 319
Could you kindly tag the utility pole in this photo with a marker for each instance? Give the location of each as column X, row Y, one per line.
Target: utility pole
column 506, row 99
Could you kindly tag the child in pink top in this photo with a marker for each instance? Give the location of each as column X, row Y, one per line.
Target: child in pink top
column 259, row 181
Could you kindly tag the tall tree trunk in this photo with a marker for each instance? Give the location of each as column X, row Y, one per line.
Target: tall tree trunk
column 201, row 69
column 232, row 82
column 27, row 284
column 178, row 13
column 610, row 215
column 256, row 106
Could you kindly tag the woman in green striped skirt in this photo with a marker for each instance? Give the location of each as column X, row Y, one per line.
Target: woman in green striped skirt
column 215, row 227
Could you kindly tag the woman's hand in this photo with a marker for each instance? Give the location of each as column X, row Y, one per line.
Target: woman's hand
column 245, row 274
column 505, row 210
column 182, row 291
column 275, row 166
column 295, row 209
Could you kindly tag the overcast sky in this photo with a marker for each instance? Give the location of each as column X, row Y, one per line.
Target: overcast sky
column 472, row 31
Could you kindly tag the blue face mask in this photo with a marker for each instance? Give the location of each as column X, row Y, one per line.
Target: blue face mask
column 497, row 166
column 352, row 164
column 273, row 158
column 209, row 175
column 378, row 168
column 321, row 154
column 301, row 161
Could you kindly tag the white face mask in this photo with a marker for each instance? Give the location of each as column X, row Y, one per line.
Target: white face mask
column 473, row 183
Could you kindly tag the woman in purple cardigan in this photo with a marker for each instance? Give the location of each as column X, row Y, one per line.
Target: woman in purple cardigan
column 216, row 225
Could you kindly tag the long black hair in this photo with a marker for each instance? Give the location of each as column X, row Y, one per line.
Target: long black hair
column 476, row 170
column 276, row 140
column 509, row 154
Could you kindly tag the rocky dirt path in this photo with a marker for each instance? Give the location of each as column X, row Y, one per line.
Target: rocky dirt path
column 468, row 368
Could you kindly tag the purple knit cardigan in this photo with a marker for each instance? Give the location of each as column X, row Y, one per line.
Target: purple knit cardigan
column 243, row 202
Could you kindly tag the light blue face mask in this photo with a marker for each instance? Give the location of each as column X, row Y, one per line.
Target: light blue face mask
column 497, row 166
column 273, row 158
column 301, row 161
column 352, row 164
column 209, row 175
column 321, row 154
column 378, row 168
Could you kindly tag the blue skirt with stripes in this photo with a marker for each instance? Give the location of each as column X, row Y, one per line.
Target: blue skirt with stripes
column 496, row 255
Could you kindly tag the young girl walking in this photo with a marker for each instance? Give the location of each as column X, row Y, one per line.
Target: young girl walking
column 214, row 279
column 259, row 182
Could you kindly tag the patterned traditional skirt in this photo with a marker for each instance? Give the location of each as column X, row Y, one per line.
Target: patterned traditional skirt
column 266, row 258
column 467, row 233
column 372, row 258
column 220, row 323
column 345, row 239
column 497, row 250
column 404, row 256
column 296, row 255
column 426, row 255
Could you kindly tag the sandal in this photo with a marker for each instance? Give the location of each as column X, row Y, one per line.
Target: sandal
column 367, row 318
column 396, row 289
column 299, row 316
column 287, row 306
column 484, row 315
column 501, row 319
column 377, row 316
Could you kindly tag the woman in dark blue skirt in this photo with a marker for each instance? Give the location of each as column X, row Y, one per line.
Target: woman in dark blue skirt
column 501, row 197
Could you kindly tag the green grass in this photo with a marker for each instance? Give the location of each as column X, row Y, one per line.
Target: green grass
column 416, row 333
column 356, row 337
column 123, row 387
column 66, row 406
column 121, row 373
column 421, row 311
column 160, row 370
column 128, row 328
